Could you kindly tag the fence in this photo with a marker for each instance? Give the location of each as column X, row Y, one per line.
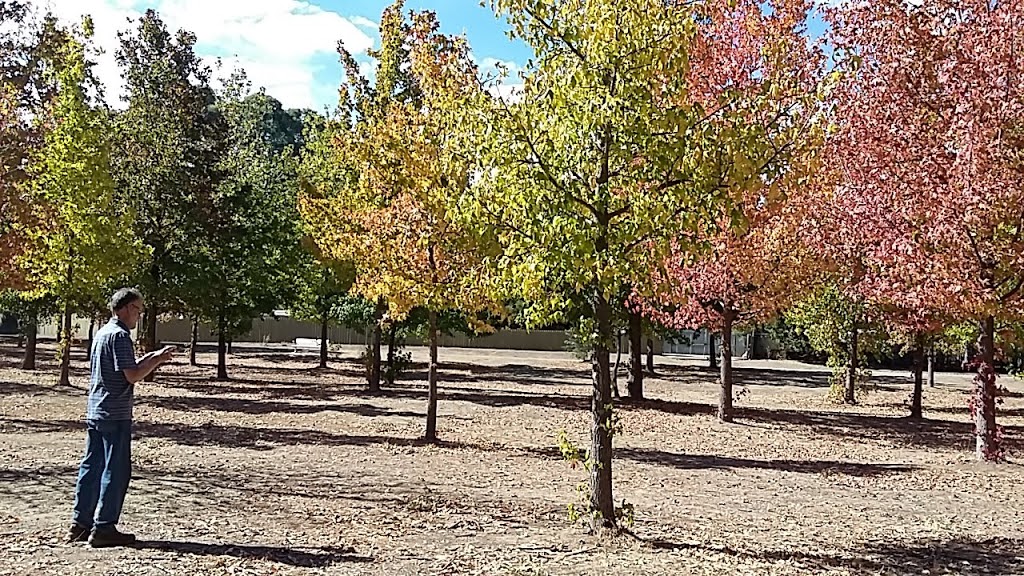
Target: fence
column 282, row 330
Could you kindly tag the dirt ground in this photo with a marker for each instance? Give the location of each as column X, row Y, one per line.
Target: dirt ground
column 291, row 470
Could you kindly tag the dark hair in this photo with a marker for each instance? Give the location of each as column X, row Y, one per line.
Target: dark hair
column 124, row 297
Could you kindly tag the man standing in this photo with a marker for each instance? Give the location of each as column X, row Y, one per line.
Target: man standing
column 106, row 465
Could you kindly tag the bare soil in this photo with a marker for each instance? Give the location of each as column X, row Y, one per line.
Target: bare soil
column 287, row 469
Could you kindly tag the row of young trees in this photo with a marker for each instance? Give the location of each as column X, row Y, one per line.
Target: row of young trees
column 188, row 191
column 693, row 164
column 662, row 165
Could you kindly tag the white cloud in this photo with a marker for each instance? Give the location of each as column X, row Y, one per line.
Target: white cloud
column 364, row 23
column 510, row 93
column 276, row 41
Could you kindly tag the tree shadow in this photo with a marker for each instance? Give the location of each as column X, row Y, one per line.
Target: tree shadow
column 667, row 406
column 401, row 390
column 211, row 488
column 38, row 389
column 960, row 556
column 710, row 462
column 208, row 386
column 928, row 433
column 336, row 368
column 962, row 411
column 522, row 374
column 320, row 557
column 746, row 376
column 260, row 406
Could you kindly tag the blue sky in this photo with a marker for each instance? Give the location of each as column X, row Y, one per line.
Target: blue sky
column 486, row 32
column 288, row 46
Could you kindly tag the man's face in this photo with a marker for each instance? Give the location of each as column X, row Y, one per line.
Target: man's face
column 133, row 312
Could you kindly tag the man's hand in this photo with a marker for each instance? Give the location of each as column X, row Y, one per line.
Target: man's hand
column 166, row 354
column 148, row 363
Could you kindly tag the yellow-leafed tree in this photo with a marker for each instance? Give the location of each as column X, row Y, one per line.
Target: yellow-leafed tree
column 381, row 182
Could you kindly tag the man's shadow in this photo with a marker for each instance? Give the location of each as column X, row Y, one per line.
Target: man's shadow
column 309, row 558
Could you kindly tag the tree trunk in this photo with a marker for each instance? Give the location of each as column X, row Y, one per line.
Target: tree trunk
column 931, row 367
column 618, row 362
column 431, row 434
column 650, row 356
column 916, row 401
column 725, row 390
column 602, row 505
column 222, row 349
column 375, row 362
column 636, row 358
column 323, row 341
column 28, row 362
column 65, row 346
column 850, row 393
column 193, row 342
column 712, row 355
column 392, row 344
column 150, row 343
column 983, row 403
column 753, row 344
column 88, row 342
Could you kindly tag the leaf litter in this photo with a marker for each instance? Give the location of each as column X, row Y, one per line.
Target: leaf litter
column 291, row 470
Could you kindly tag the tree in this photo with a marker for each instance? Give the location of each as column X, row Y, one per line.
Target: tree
column 166, row 154
column 23, row 88
column 249, row 249
column 944, row 81
column 13, row 209
column 769, row 72
column 84, row 235
column 405, row 167
column 329, row 169
column 28, row 309
column 323, row 285
column 606, row 157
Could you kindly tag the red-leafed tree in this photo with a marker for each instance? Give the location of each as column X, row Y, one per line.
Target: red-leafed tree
column 928, row 136
column 759, row 67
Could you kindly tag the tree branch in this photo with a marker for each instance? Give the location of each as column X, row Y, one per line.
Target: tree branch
column 561, row 36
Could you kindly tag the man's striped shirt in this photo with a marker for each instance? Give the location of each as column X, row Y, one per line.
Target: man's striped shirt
column 110, row 393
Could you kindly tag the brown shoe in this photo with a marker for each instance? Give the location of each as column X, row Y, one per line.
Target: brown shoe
column 77, row 533
column 110, row 537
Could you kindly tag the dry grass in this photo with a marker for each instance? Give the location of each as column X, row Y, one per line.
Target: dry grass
column 291, row 470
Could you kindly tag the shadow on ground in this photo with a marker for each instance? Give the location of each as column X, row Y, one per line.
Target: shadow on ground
column 256, row 406
column 745, row 376
column 213, row 488
column 265, row 439
column 308, row 558
column 39, row 389
column 929, row 433
column 710, row 462
column 959, row 556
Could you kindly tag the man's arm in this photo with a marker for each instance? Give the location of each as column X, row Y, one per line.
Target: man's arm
column 137, row 370
column 142, row 369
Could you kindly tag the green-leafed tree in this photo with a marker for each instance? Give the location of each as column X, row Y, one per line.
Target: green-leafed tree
column 249, row 250
column 323, row 285
column 84, row 237
column 608, row 157
column 845, row 329
column 167, row 147
column 29, row 309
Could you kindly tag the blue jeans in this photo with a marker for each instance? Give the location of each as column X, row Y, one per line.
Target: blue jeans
column 104, row 473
